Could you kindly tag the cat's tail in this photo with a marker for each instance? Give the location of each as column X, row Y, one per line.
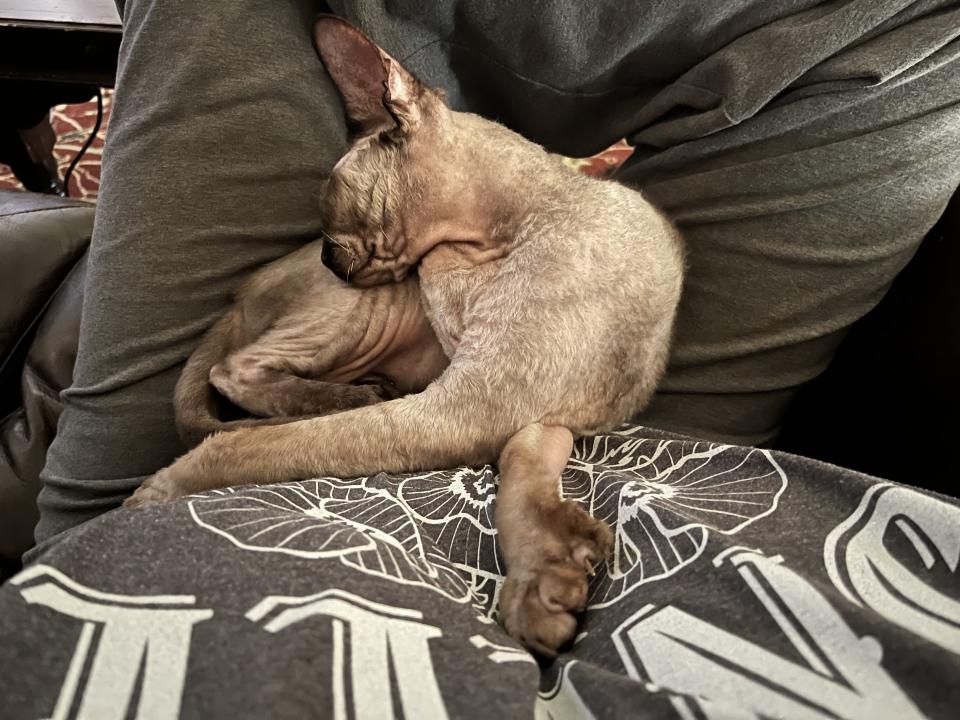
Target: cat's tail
column 194, row 402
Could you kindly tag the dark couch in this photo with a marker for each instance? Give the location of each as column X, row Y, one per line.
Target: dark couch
column 885, row 406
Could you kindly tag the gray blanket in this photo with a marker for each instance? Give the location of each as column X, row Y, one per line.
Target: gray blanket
column 743, row 583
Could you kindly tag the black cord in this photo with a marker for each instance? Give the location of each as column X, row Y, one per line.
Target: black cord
column 86, row 145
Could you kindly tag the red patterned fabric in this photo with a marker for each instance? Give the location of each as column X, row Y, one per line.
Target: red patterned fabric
column 72, row 124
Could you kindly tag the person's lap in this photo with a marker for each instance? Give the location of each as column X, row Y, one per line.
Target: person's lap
column 224, row 125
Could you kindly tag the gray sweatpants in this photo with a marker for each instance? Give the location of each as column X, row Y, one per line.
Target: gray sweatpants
column 804, row 150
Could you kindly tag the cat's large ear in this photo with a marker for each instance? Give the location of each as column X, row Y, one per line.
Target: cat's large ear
column 378, row 93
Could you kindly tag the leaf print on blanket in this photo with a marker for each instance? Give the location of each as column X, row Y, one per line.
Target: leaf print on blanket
column 662, row 498
column 434, row 529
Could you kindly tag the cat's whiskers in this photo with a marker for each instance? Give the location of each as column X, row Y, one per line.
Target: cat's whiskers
column 334, row 240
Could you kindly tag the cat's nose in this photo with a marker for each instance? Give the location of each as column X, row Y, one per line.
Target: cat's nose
column 325, row 254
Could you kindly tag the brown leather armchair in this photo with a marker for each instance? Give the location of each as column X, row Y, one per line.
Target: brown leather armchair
column 43, row 241
column 894, row 377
